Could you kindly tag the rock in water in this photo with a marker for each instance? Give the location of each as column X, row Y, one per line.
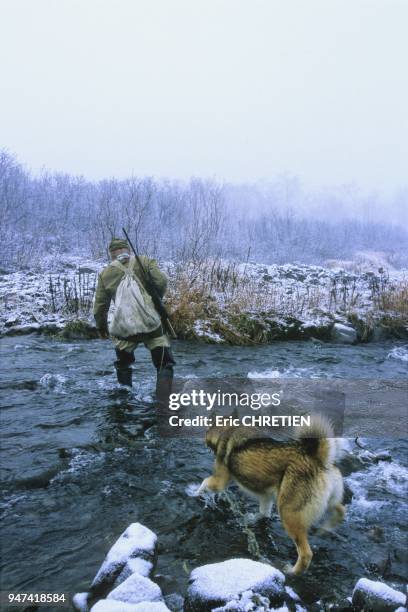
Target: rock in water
column 109, row 605
column 135, row 545
column 136, row 589
column 214, row 585
column 175, row 602
column 80, row 602
column 343, row 333
column 140, row 566
column 376, row 596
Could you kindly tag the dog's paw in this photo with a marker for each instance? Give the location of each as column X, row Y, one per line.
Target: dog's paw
column 289, row 569
column 192, row 489
column 203, row 488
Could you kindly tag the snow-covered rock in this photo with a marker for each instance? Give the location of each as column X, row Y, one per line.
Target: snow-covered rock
column 216, row 584
column 80, row 602
column 343, row 333
column 175, row 602
column 136, row 589
column 292, row 594
column 136, row 565
column 137, row 542
column 109, row 605
column 376, row 596
column 247, row 601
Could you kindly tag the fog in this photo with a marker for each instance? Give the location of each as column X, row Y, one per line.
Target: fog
column 274, row 130
column 240, row 91
column 48, row 217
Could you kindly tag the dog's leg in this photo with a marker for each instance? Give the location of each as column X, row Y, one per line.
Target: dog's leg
column 335, row 509
column 218, row 481
column 265, row 505
column 335, row 516
column 298, row 533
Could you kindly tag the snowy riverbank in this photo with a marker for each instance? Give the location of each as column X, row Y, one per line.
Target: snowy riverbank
column 221, row 302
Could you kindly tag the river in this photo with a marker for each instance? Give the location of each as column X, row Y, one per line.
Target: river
column 80, row 460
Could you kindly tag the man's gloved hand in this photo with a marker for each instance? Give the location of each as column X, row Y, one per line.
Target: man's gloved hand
column 103, row 334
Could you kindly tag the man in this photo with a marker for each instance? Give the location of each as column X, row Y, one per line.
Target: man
column 156, row 340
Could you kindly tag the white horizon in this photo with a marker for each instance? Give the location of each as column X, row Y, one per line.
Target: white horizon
column 239, row 91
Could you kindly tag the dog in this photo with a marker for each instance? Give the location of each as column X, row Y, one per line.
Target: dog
column 299, row 473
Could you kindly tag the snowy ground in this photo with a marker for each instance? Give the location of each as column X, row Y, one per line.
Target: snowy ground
column 304, row 297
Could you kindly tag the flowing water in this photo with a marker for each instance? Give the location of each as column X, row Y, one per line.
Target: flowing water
column 82, row 459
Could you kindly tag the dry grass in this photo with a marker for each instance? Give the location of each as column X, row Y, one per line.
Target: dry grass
column 236, row 291
column 236, row 303
column 186, row 304
column 72, row 294
column 394, row 300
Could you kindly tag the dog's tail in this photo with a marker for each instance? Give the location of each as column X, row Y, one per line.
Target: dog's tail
column 318, row 440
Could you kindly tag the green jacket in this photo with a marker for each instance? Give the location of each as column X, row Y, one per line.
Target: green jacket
column 109, row 279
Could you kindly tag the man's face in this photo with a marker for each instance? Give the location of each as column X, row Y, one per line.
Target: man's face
column 121, row 254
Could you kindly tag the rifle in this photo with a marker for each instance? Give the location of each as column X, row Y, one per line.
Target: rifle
column 152, row 291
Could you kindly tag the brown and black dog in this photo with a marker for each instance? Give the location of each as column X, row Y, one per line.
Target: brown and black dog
column 299, row 474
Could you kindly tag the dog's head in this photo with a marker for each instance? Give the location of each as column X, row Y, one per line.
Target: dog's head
column 216, row 433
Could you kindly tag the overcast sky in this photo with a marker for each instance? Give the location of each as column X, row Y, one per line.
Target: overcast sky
column 234, row 89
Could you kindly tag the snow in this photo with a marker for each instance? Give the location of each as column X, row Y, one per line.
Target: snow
column 80, row 602
column 127, row 566
column 134, row 566
column 109, row 605
column 292, row 593
column 245, row 603
column 376, row 596
column 202, row 329
column 315, row 296
column 136, row 589
column 136, row 541
column 344, row 333
column 226, row 580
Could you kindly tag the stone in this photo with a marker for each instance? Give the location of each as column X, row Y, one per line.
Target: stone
column 80, row 602
column 109, row 605
column 140, row 566
column 136, row 589
column 136, row 542
column 216, row 584
column 376, row 596
column 174, row 602
column 343, row 334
